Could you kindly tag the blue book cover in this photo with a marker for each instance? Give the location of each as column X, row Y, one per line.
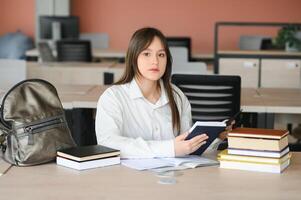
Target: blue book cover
column 212, row 129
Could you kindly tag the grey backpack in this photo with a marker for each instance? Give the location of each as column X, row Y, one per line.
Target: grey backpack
column 32, row 124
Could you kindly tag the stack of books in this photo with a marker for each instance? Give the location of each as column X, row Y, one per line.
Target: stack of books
column 253, row 149
column 87, row 157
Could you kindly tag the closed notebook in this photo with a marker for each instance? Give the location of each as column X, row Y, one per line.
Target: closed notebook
column 84, row 153
column 212, row 129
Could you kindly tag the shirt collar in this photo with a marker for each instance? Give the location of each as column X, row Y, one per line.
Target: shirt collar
column 135, row 93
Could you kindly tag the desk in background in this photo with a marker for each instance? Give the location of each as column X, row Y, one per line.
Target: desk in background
column 74, row 73
column 50, row 181
column 272, row 106
column 79, row 102
column 96, row 53
column 120, row 54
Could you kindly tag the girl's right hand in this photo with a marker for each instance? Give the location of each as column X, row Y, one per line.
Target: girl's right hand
column 185, row 147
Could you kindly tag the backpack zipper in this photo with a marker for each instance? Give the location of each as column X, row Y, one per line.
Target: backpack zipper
column 34, row 128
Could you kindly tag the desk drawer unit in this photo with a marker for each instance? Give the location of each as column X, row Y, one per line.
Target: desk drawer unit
column 247, row 69
column 280, row 73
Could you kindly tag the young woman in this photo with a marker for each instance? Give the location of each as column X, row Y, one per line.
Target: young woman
column 143, row 114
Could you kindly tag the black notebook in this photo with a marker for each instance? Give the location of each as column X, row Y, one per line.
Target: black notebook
column 85, row 153
column 212, row 129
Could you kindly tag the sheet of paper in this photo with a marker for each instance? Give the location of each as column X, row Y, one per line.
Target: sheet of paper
column 169, row 163
column 190, row 161
column 144, row 164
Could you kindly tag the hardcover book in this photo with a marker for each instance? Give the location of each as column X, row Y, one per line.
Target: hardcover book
column 212, row 129
column 101, row 162
column 249, row 166
column 258, row 143
column 85, row 153
column 258, row 133
column 224, row 155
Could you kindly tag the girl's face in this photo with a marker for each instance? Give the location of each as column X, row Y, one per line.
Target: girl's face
column 152, row 61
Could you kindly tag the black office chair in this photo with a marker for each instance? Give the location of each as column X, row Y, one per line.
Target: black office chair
column 74, row 50
column 212, row 97
column 80, row 120
column 180, row 42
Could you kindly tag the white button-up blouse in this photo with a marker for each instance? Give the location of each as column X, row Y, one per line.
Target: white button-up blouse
column 127, row 121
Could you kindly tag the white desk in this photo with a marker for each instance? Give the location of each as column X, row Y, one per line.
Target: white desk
column 250, row 102
column 74, row 73
column 279, row 100
column 283, row 107
column 96, row 53
column 276, row 107
column 50, row 181
column 115, row 53
column 72, row 96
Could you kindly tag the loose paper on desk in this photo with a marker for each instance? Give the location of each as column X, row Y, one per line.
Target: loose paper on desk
column 180, row 162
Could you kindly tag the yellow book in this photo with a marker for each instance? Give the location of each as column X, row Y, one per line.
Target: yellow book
column 224, row 156
column 249, row 166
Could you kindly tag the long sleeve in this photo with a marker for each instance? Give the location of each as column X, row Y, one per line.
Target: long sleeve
column 109, row 131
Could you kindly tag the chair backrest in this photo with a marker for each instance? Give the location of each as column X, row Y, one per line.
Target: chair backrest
column 98, row 40
column 45, row 52
column 180, row 42
column 181, row 64
column 74, row 50
column 212, row 97
column 179, row 54
column 11, row 72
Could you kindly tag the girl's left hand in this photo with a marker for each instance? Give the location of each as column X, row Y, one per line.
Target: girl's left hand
column 223, row 135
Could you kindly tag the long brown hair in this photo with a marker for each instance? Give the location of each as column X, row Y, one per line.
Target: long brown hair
column 140, row 40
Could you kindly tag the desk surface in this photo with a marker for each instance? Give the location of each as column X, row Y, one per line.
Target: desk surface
column 75, row 96
column 71, row 64
column 261, row 52
column 252, row 100
column 281, row 100
column 117, row 182
column 97, row 53
column 79, row 73
column 115, row 53
column 263, row 100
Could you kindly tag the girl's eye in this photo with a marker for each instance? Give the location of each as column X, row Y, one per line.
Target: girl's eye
column 146, row 54
column 161, row 54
